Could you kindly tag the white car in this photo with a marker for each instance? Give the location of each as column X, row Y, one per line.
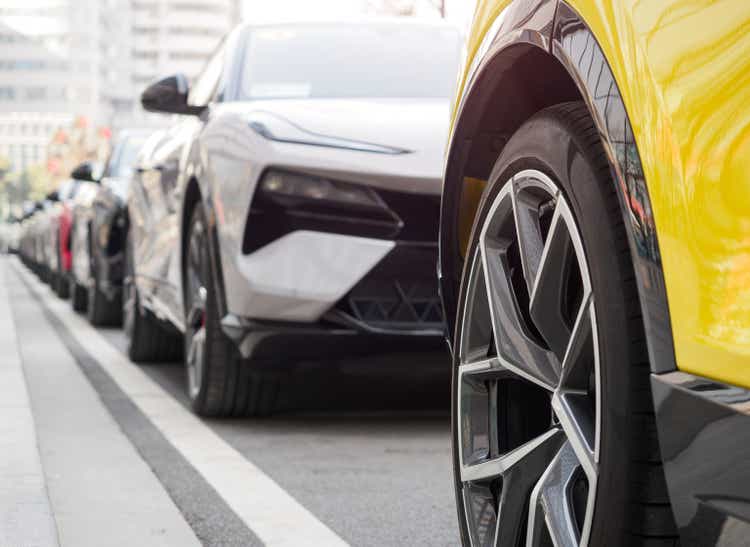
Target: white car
column 294, row 211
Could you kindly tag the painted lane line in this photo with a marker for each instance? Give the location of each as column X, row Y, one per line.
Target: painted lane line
column 25, row 513
column 266, row 508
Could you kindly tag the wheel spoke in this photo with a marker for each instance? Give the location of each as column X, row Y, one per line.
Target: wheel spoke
column 578, row 423
column 196, row 313
column 527, row 465
column 527, row 456
column 195, row 361
column 546, row 294
column 475, row 404
column 528, row 232
column 578, row 361
column 491, row 364
column 549, row 506
column 516, row 348
column 476, row 332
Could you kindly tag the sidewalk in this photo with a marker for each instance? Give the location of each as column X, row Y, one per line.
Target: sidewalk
column 84, row 481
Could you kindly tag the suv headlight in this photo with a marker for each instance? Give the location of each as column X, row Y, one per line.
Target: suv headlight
column 319, row 190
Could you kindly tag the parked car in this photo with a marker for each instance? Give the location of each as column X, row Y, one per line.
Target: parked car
column 100, row 220
column 26, row 241
column 60, row 224
column 593, row 268
column 87, row 176
column 39, row 235
column 294, row 212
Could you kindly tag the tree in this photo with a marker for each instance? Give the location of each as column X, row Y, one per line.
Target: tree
column 16, row 187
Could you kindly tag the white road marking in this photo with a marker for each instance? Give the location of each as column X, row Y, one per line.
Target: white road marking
column 25, row 514
column 266, row 508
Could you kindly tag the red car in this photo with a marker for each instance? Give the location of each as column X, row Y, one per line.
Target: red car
column 60, row 224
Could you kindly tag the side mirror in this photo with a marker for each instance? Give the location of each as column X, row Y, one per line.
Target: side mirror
column 169, row 95
column 84, row 171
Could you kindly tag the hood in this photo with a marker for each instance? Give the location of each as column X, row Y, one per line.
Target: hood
column 378, row 126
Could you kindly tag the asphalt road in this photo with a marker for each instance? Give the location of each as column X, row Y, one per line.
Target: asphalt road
column 359, row 454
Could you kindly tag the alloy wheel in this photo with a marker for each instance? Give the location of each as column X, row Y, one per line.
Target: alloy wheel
column 195, row 324
column 528, row 400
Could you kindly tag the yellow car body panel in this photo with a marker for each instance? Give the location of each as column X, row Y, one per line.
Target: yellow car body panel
column 683, row 70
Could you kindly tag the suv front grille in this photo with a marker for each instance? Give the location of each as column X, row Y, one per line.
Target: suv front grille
column 400, row 293
column 396, row 304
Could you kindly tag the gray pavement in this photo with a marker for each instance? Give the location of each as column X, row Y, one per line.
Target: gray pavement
column 26, row 517
column 363, row 446
column 99, row 486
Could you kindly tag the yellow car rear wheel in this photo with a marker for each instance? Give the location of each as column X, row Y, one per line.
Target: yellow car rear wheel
column 553, row 423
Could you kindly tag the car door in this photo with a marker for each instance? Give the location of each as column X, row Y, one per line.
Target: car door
column 81, row 232
column 165, row 190
column 151, row 208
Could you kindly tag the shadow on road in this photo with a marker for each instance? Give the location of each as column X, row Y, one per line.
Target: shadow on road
column 416, row 384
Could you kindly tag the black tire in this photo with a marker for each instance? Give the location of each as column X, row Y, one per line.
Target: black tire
column 101, row 311
column 224, row 384
column 78, row 295
column 53, row 279
column 147, row 340
column 632, row 504
column 62, row 287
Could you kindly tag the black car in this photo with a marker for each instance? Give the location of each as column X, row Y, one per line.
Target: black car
column 97, row 235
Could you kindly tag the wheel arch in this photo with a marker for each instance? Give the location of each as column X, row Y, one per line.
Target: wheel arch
column 531, row 71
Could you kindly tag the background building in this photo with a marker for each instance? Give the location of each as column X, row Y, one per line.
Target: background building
column 142, row 40
column 77, row 67
column 48, row 67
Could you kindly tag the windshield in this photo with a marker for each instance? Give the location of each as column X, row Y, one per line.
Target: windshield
column 384, row 60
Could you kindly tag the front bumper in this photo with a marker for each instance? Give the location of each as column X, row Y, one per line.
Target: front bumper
column 322, row 295
column 300, row 276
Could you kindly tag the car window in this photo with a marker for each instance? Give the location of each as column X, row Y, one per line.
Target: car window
column 124, row 154
column 128, row 154
column 67, row 190
column 375, row 60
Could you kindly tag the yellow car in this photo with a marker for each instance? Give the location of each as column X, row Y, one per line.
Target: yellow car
column 595, row 271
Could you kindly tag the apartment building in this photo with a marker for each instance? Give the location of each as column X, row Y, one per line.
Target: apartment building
column 88, row 60
column 142, row 40
column 48, row 73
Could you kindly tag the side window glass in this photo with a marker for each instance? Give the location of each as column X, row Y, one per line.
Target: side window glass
column 207, row 83
column 111, row 160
